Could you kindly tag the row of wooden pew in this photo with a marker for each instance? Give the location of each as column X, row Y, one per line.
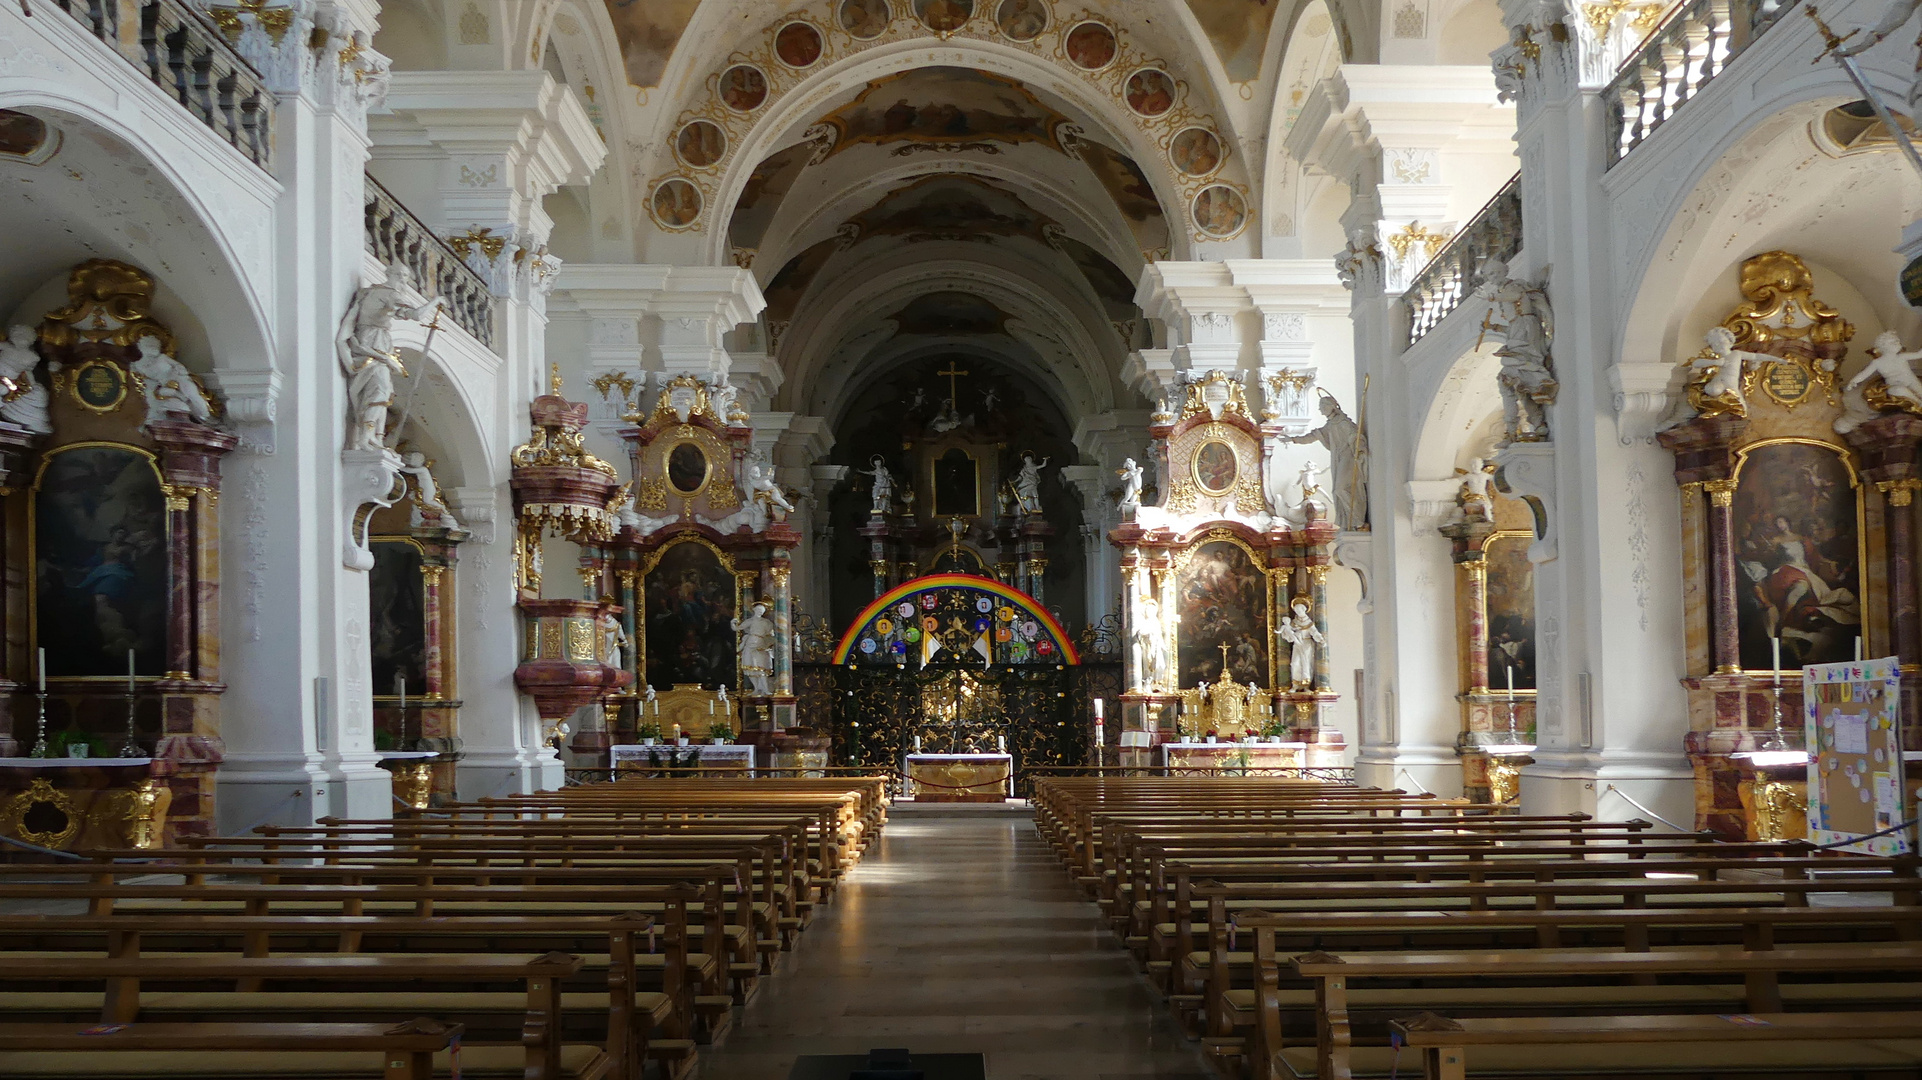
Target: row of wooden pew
column 1308, row 930
column 602, row 931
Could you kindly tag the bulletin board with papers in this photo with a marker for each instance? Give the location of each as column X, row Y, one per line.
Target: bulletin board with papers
column 1856, row 787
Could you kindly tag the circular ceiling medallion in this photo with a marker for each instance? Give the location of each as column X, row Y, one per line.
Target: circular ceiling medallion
column 1195, row 151
column 865, row 19
column 1150, row 92
column 944, row 16
column 1091, row 46
column 701, row 143
column 1021, row 20
column 798, row 44
column 1215, row 467
column 1220, row 211
column 743, row 87
column 676, row 203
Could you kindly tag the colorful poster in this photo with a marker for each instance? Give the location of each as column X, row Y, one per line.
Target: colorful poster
column 1855, row 755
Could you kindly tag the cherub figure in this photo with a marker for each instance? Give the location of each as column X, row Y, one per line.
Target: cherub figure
column 1715, row 380
column 1896, row 369
column 169, row 389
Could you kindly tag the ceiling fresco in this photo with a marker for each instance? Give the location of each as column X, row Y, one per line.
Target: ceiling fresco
column 648, row 30
column 951, row 208
column 944, row 106
column 1239, row 31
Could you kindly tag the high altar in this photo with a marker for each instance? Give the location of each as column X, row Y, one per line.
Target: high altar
column 1225, row 584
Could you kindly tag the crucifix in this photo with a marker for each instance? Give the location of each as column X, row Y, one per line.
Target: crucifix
column 1224, row 657
column 953, row 373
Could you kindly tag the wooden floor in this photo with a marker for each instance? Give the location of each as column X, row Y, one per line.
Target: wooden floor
column 960, row 933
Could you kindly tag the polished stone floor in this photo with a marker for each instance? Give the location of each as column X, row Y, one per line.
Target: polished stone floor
column 960, row 933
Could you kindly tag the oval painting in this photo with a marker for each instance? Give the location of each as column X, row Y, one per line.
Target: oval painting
column 1021, row 20
column 1150, row 92
column 743, row 88
column 1091, row 46
column 1216, row 467
column 687, row 469
column 865, row 19
column 797, row 44
column 676, row 203
column 701, row 143
column 1220, row 211
column 1195, row 151
column 943, row 16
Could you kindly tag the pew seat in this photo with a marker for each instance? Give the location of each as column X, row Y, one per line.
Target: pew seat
column 484, row 1062
column 1839, row 1057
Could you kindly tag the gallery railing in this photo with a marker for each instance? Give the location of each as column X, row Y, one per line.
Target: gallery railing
column 1455, row 272
column 186, row 57
column 393, row 232
column 1692, row 46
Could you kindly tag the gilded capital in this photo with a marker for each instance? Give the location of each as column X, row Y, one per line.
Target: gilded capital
column 1899, row 492
column 1720, row 492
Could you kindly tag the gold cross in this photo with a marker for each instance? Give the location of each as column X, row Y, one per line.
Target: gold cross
column 952, row 374
column 1224, row 657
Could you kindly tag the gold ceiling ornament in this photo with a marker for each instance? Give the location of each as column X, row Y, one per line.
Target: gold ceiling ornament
column 1215, row 393
column 1781, row 305
column 1414, row 233
column 107, row 301
column 490, row 245
column 607, row 382
column 683, row 398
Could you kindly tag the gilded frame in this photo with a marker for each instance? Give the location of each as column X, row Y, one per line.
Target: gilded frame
column 1481, row 601
column 1194, row 466
column 73, row 377
column 1178, row 561
column 933, row 510
column 33, row 546
column 1847, row 454
column 707, row 473
column 425, row 572
column 638, row 641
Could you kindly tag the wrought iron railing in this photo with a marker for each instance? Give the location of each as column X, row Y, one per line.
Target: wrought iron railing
column 1693, row 45
column 186, row 57
column 393, row 232
column 1454, row 273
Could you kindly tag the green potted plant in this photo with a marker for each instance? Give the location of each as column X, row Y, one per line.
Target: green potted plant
column 648, row 731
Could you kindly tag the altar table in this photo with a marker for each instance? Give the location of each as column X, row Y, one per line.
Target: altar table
column 1232, row 758
column 67, row 803
column 960, row 777
column 733, row 757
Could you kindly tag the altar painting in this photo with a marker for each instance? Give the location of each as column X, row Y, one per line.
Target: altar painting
column 1223, row 601
column 396, row 605
column 100, row 562
column 689, row 609
column 1511, row 611
column 1797, row 543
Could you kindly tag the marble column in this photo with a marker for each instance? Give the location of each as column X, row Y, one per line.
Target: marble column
column 1898, row 516
column 1725, row 643
column 779, row 574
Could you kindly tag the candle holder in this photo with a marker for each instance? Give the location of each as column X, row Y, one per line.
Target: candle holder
column 40, row 730
column 130, row 748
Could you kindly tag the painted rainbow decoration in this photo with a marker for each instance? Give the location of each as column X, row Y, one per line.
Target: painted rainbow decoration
column 1069, row 654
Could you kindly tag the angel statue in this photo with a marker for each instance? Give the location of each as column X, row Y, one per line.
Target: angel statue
column 1715, row 377
column 1130, row 501
column 169, row 388
column 1895, row 366
column 26, row 399
column 1475, row 502
column 427, row 499
column 1027, row 484
column 1311, row 493
column 365, row 344
column 762, row 488
column 1518, row 313
column 882, row 491
column 1303, row 637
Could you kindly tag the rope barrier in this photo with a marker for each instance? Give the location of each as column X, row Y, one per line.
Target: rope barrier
column 1631, row 800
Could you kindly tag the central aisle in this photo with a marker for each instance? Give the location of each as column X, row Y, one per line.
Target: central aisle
column 960, row 933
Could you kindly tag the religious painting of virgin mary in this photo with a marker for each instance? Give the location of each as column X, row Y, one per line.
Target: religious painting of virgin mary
column 100, row 562
column 689, row 611
column 1796, row 538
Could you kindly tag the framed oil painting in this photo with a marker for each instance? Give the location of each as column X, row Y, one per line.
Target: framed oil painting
column 957, row 484
column 1223, row 600
column 689, row 606
column 687, row 469
column 100, row 562
column 397, row 615
column 1797, row 549
column 1510, row 582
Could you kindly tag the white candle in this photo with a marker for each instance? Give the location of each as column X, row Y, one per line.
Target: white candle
column 1097, row 708
column 710, row 706
column 1776, row 644
column 1511, row 680
column 130, row 667
column 43, row 669
column 1001, row 743
column 917, row 744
column 401, row 686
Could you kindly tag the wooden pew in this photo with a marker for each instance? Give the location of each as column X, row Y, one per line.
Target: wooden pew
column 404, row 1051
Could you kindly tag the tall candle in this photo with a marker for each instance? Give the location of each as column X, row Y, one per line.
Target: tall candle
column 130, row 670
column 400, row 685
column 1097, row 710
column 1511, row 680
column 1775, row 643
column 43, row 669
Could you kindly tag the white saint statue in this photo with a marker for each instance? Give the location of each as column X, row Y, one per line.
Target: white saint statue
column 613, row 639
column 169, row 389
column 756, row 649
column 1027, row 485
column 365, row 345
column 1303, row 637
column 1146, row 637
column 1893, row 18
column 25, row 399
column 1130, row 474
column 882, row 491
column 1348, row 461
column 1519, row 315
column 1896, row 368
